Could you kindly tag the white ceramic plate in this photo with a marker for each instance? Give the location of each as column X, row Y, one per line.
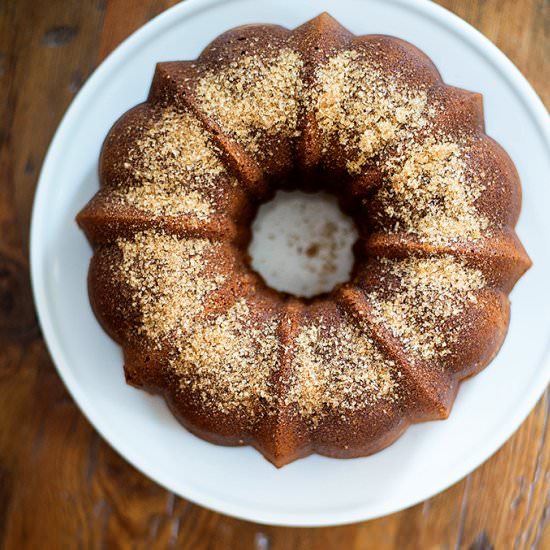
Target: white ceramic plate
column 238, row 481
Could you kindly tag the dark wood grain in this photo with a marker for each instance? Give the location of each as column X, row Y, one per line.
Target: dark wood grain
column 61, row 486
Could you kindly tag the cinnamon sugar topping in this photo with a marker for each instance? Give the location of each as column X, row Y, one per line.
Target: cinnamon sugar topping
column 431, row 292
column 228, row 361
column 364, row 109
column 174, row 164
column 427, row 188
column 338, row 369
column 168, row 280
column 431, row 194
column 254, row 94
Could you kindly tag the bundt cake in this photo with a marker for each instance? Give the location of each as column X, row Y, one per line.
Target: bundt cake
column 435, row 202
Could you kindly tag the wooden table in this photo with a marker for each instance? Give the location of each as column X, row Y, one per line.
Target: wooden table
column 61, row 485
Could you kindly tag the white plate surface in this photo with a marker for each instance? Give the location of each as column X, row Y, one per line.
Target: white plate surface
column 238, row 481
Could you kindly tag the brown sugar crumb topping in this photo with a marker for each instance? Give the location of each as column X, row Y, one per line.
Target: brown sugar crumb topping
column 167, row 279
column 431, row 292
column 356, row 103
column 227, row 361
column 430, row 193
column 174, row 164
column 254, row 94
column 338, row 369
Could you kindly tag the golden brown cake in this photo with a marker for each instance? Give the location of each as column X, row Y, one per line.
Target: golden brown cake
column 435, row 201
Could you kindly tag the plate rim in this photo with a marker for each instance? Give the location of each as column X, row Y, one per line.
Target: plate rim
column 448, row 21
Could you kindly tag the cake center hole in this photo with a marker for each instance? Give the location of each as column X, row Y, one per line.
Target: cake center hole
column 302, row 243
